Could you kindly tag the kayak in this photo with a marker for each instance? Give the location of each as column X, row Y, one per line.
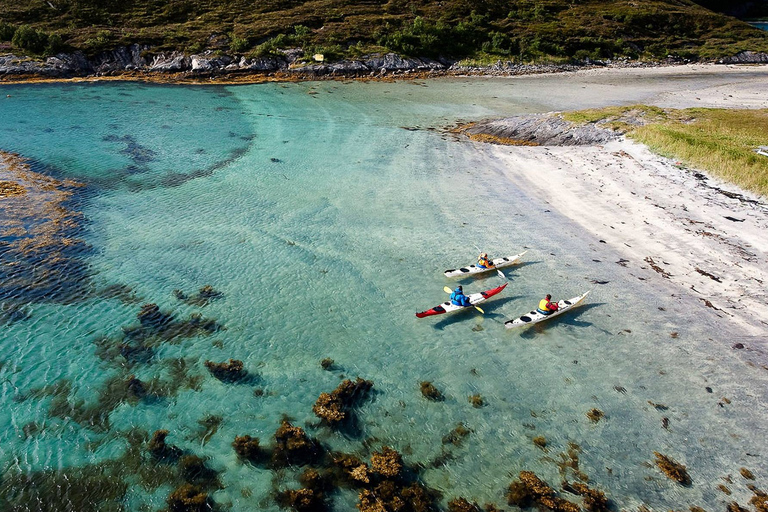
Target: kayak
column 474, row 298
column 536, row 317
column 474, row 269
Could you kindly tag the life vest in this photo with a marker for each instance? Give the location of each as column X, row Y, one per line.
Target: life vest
column 483, row 262
column 459, row 299
column 547, row 306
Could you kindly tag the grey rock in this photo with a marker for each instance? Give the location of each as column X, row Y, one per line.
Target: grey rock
column 120, row 59
column 545, row 130
column 208, row 63
column 170, row 62
column 394, row 62
column 263, row 64
column 746, row 57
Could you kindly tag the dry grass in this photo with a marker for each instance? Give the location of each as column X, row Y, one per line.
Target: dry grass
column 719, row 141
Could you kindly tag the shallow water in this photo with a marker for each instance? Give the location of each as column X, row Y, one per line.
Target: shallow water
column 325, row 214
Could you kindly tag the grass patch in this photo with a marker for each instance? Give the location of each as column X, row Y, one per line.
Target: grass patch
column 720, row 141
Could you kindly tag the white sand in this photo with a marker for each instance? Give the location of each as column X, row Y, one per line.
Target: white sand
column 654, row 213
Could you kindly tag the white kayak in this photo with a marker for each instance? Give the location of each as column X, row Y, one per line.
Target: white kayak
column 474, row 269
column 536, row 317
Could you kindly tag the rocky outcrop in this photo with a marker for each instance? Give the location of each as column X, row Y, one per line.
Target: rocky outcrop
column 538, row 129
column 137, row 58
column 746, row 57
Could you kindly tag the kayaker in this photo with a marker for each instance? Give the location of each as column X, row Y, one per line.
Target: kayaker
column 459, row 299
column 546, row 306
column 483, row 261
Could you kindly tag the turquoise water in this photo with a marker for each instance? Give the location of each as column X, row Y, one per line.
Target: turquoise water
column 326, row 224
column 762, row 25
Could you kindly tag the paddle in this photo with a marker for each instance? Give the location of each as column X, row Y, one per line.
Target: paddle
column 501, row 274
column 448, row 290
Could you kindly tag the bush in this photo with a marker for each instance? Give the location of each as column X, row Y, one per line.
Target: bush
column 30, row 39
column 239, row 45
column 6, row 31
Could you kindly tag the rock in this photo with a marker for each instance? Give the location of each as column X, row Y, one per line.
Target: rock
column 541, row 129
column 746, row 57
column 170, row 63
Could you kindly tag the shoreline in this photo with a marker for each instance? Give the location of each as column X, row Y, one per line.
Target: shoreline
column 671, row 225
column 131, row 64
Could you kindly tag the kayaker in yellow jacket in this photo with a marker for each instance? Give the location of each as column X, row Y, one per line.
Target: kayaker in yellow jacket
column 483, row 261
column 546, row 306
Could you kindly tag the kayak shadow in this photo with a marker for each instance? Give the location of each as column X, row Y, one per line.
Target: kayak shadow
column 489, row 308
column 569, row 318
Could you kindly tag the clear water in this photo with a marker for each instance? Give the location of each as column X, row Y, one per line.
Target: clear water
column 762, row 25
column 326, row 225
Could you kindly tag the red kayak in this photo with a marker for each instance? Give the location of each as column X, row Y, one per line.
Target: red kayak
column 474, row 298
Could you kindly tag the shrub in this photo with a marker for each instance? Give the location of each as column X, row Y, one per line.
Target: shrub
column 6, row 31
column 30, row 39
column 239, row 45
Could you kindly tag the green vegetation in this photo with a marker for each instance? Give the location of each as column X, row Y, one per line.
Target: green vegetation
column 518, row 30
column 719, row 141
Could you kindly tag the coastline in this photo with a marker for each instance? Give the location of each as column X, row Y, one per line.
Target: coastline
column 136, row 63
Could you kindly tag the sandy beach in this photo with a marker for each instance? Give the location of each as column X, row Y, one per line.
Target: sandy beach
column 671, row 224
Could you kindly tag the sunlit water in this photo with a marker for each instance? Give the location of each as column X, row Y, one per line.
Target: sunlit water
column 326, row 225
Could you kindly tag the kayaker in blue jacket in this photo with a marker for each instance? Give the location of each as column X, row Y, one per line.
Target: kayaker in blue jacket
column 459, row 299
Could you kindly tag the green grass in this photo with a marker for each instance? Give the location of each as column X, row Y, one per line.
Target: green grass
column 719, row 141
column 518, row 30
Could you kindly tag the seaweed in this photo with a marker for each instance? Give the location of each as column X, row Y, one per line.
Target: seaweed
column 387, row 463
column 248, row 448
column 457, row 435
column 335, row 407
column 430, row 392
column 735, row 507
column 594, row 500
column 595, row 415
column 302, row 500
column 327, row 364
column 462, row 505
column 231, row 371
column 189, row 498
column 352, row 470
column 759, row 500
column 294, row 447
column 476, row 401
column 747, row 474
column 540, row 441
column 672, row 469
column 204, row 296
column 531, row 489
column 194, row 470
column 161, row 450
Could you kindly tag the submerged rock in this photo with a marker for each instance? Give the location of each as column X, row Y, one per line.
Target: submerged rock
column 387, row 463
column 294, row 447
column 189, row 498
column 248, row 448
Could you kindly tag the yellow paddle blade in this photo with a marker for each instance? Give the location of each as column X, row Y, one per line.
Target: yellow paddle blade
column 447, row 290
column 480, row 310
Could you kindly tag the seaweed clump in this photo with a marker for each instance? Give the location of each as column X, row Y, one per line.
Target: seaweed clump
column 759, row 500
column 476, row 401
column 189, row 498
column 594, row 500
column 353, row 470
column 530, row 489
column 335, row 407
column 595, row 415
column 206, row 294
column 387, row 463
column 294, row 446
column 311, row 497
column 672, row 469
column 430, row 392
column 248, row 448
column 540, row 441
column 457, row 435
column 231, row 371
column 161, row 450
column 462, row 505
